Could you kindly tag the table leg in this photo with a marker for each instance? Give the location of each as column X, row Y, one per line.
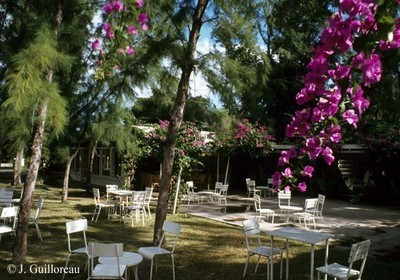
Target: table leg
column 272, row 267
column 312, row 263
column 326, row 256
column 287, row 259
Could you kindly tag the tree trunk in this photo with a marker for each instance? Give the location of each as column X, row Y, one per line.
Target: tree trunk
column 21, row 240
column 92, row 154
column 176, row 120
column 178, row 183
column 20, row 247
column 18, row 167
column 64, row 193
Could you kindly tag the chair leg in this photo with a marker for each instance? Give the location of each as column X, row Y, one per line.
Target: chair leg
column 151, row 269
column 173, row 267
column 258, row 261
column 245, row 267
column 66, row 265
column 39, row 234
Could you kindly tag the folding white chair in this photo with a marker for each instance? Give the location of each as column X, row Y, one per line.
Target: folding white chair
column 310, row 207
column 284, row 205
column 74, row 228
column 221, row 195
column 100, row 205
column 320, row 207
column 254, row 246
column 35, row 219
column 191, row 194
column 147, row 200
column 8, row 213
column 170, row 229
column 136, row 206
column 6, row 196
column 106, row 270
column 251, row 188
column 262, row 211
column 358, row 252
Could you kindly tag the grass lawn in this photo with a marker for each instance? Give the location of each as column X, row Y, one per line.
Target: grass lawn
column 206, row 249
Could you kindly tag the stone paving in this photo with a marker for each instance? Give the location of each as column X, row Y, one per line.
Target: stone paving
column 348, row 222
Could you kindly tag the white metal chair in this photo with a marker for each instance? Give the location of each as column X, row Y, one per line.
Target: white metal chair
column 262, row 211
column 320, row 207
column 251, row 188
column 147, row 200
column 221, row 195
column 107, row 270
column 6, row 196
column 254, row 246
column 16, row 201
column 310, row 207
column 170, row 229
column 35, row 219
column 136, row 206
column 74, row 228
column 8, row 213
column 100, row 205
column 191, row 194
column 358, row 252
column 284, row 205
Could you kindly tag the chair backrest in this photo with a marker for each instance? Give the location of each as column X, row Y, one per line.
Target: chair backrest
column 170, row 229
column 6, row 195
column 310, row 205
column 148, row 194
column 217, row 188
column 96, row 196
column 190, row 186
column 113, row 250
column 321, row 201
column 10, row 213
column 270, row 182
column 74, row 227
column 257, row 202
column 39, row 208
column 251, row 228
column 224, row 190
column 138, row 197
column 359, row 251
column 284, row 198
column 110, row 188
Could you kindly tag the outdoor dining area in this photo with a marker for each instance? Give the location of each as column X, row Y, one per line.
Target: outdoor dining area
column 271, row 228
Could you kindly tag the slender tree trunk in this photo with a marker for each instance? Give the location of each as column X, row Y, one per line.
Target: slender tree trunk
column 18, row 167
column 177, row 185
column 20, row 247
column 64, row 193
column 176, row 120
column 21, row 241
column 92, row 154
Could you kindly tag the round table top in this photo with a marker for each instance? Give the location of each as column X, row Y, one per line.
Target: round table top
column 128, row 259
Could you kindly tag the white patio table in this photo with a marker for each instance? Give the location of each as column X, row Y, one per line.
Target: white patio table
column 128, row 258
column 304, row 236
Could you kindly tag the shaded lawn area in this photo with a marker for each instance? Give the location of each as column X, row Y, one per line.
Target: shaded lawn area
column 206, row 249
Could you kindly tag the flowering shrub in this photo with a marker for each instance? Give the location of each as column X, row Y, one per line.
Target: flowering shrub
column 247, row 138
column 123, row 20
column 346, row 61
column 189, row 145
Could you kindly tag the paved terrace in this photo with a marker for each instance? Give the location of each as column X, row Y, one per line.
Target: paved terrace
column 348, row 222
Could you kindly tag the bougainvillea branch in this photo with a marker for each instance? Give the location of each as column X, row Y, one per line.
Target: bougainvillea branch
column 122, row 22
column 346, row 62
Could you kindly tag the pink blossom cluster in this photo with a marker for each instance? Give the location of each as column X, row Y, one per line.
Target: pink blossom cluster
column 322, row 91
column 117, row 14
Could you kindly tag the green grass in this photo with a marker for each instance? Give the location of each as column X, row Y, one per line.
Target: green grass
column 206, row 249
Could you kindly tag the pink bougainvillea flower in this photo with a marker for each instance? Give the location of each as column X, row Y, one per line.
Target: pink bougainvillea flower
column 121, row 51
column 132, row 30
column 110, row 35
column 143, row 20
column 302, row 187
column 96, row 45
column 351, row 117
column 164, row 124
column 287, row 173
column 284, row 158
column 276, row 178
column 129, row 50
column 181, row 152
column 140, row 3
column 372, row 69
column 308, row 171
column 287, row 189
column 108, row 8
column 118, row 6
column 106, row 26
column 327, row 154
